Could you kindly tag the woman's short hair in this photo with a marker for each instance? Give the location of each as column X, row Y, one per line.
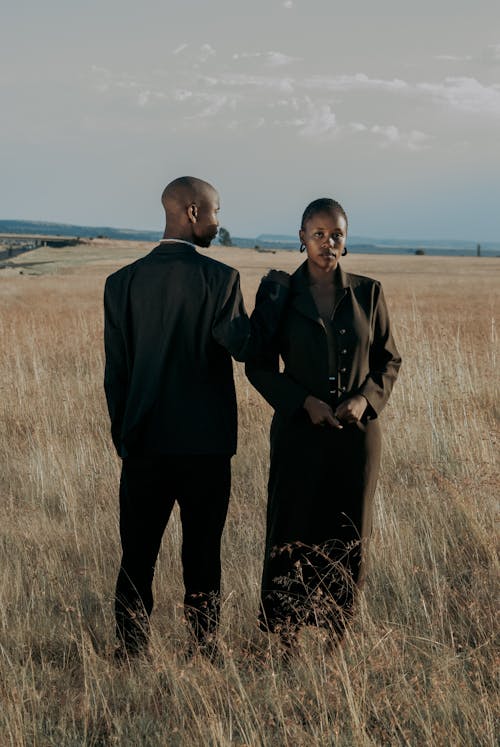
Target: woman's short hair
column 322, row 205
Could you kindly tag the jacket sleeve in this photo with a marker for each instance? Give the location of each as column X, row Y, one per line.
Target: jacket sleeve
column 385, row 360
column 284, row 394
column 116, row 367
column 242, row 336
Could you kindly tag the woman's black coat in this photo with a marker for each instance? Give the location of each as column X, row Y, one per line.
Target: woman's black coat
column 322, row 480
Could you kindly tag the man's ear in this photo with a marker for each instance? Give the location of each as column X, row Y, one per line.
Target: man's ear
column 193, row 213
column 301, row 235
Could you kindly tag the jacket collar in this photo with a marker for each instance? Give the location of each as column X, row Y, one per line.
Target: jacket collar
column 174, row 247
column 302, row 298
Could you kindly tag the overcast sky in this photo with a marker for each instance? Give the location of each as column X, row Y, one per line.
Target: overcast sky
column 394, row 112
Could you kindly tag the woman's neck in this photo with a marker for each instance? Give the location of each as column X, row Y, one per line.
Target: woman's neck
column 321, row 277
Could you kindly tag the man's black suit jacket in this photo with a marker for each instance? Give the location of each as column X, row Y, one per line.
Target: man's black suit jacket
column 173, row 319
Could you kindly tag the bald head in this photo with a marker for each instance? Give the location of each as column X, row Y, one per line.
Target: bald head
column 191, row 207
column 184, row 191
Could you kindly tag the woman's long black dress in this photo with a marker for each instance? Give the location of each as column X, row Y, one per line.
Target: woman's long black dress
column 322, row 480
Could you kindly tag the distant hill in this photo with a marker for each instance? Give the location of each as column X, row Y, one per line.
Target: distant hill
column 67, row 229
column 373, row 245
column 277, row 238
column 373, row 242
column 273, row 241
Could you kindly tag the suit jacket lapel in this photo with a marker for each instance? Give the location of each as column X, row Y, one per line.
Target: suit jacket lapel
column 302, row 299
column 343, row 286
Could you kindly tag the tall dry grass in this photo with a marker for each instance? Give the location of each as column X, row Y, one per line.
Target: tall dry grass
column 418, row 666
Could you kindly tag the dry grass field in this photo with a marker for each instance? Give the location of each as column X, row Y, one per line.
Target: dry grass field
column 418, row 665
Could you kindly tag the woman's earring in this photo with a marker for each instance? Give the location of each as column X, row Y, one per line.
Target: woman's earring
column 302, row 248
column 344, row 252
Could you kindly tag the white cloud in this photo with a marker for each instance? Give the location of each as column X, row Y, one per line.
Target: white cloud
column 181, row 94
column 263, row 82
column 105, row 75
column 466, row 94
column 391, row 135
column 417, row 140
column 210, row 80
column 179, row 49
column 278, row 58
column 273, row 59
column 494, row 51
column 306, row 103
column 320, row 121
column 145, row 96
column 490, row 54
column 127, row 83
column 358, row 127
column 214, row 104
column 454, row 57
column 354, row 82
column 206, row 52
column 100, row 70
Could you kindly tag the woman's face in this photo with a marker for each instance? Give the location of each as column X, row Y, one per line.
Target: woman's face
column 324, row 236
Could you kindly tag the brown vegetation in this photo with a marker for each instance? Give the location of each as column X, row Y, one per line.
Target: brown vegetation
column 417, row 667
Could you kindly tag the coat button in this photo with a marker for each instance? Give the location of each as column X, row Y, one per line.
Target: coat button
column 342, row 388
column 342, row 331
column 343, row 369
column 343, row 351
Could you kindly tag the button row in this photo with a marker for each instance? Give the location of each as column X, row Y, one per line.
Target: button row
column 332, row 380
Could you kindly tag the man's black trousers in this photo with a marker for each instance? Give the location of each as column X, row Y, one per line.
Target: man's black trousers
column 149, row 487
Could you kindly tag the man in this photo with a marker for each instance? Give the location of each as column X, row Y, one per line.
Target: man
column 173, row 319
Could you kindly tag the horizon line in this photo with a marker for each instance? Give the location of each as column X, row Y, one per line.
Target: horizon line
column 262, row 235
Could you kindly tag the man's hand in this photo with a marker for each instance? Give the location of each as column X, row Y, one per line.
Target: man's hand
column 352, row 409
column 278, row 276
column 320, row 413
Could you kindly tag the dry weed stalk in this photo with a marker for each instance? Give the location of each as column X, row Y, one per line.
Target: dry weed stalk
column 417, row 666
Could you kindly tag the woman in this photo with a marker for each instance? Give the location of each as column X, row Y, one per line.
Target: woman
column 340, row 365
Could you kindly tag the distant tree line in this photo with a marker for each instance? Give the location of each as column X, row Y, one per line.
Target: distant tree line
column 225, row 237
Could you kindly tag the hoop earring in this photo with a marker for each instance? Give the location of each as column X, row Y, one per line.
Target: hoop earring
column 344, row 252
column 302, row 248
